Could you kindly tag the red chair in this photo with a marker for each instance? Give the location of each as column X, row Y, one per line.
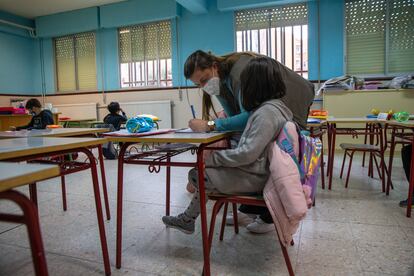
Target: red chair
column 30, row 218
column 221, row 200
column 374, row 150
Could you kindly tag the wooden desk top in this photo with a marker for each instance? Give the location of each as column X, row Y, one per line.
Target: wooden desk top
column 408, row 124
column 21, row 115
column 319, row 124
column 14, row 148
column 353, row 120
column 76, row 120
column 13, row 175
column 172, row 137
column 54, row 132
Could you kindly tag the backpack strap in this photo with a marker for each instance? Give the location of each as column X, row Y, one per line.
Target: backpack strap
column 287, row 146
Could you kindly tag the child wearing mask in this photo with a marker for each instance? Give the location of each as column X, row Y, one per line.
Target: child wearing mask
column 41, row 118
column 244, row 170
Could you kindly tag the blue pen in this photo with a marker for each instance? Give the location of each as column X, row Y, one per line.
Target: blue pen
column 193, row 111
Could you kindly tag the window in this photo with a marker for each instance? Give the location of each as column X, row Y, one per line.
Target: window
column 379, row 37
column 145, row 55
column 279, row 32
column 75, row 62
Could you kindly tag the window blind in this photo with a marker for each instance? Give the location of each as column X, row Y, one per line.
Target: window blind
column 65, row 64
column 378, row 31
column 145, row 42
column 86, row 61
column 287, row 15
column 401, row 46
column 75, row 62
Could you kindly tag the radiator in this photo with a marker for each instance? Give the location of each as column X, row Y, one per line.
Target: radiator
column 80, row 111
column 161, row 109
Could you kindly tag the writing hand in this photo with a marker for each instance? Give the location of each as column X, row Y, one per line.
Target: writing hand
column 198, row 125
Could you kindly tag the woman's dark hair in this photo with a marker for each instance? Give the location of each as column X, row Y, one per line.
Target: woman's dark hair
column 113, row 107
column 33, row 103
column 201, row 60
column 261, row 81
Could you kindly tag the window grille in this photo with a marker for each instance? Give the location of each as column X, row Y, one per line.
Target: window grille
column 279, row 32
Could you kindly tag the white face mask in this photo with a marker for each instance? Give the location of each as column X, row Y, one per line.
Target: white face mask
column 212, row 87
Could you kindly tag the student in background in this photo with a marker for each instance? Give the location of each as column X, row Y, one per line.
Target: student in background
column 244, row 169
column 114, row 118
column 41, row 118
column 406, row 160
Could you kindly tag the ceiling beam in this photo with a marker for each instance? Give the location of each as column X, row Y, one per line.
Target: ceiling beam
column 194, row 6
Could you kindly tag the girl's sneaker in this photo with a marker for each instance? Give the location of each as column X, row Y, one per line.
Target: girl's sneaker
column 260, row 227
column 242, row 218
column 180, row 222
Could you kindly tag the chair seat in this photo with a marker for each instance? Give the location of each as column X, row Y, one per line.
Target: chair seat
column 365, row 147
column 216, row 196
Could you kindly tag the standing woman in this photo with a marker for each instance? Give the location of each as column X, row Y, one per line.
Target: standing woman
column 219, row 76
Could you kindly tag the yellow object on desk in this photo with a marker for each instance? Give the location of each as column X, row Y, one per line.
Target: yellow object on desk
column 153, row 117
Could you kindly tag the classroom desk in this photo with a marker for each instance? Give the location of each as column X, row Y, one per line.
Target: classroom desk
column 6, row 121
column 32, row 148
column 409, row 138
column 200, row 141
column 68, row 122
column 67, row 132
column 52, row 132
column 13, row 176
column 333, row 131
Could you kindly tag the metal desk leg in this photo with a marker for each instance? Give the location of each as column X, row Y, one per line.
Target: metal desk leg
column 203, row 211
column 99, row 215
column 411, row 186
column 119, row 204
column 105, row 191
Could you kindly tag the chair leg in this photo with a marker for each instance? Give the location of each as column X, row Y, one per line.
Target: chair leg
column 389, row 174
column 349, row 168
column 31, row 219
column 235, row 220
column 322, row 164
column 376, row 165
column 343, row 164
column 63, row 185
column 285, row 255
column 216, row 209
column 365, row 141
column 223, row 221
column 383, row 168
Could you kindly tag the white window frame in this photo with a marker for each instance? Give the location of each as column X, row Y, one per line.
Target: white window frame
column 133, row 72
column 273, row 32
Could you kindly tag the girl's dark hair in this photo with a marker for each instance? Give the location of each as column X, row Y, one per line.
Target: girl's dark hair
column 113, row 107
column 261, row 81
column 33, row 103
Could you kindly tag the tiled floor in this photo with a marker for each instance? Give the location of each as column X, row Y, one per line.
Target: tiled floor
column 354, row 231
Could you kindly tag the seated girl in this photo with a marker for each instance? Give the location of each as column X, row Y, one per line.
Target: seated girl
column 243, row 170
